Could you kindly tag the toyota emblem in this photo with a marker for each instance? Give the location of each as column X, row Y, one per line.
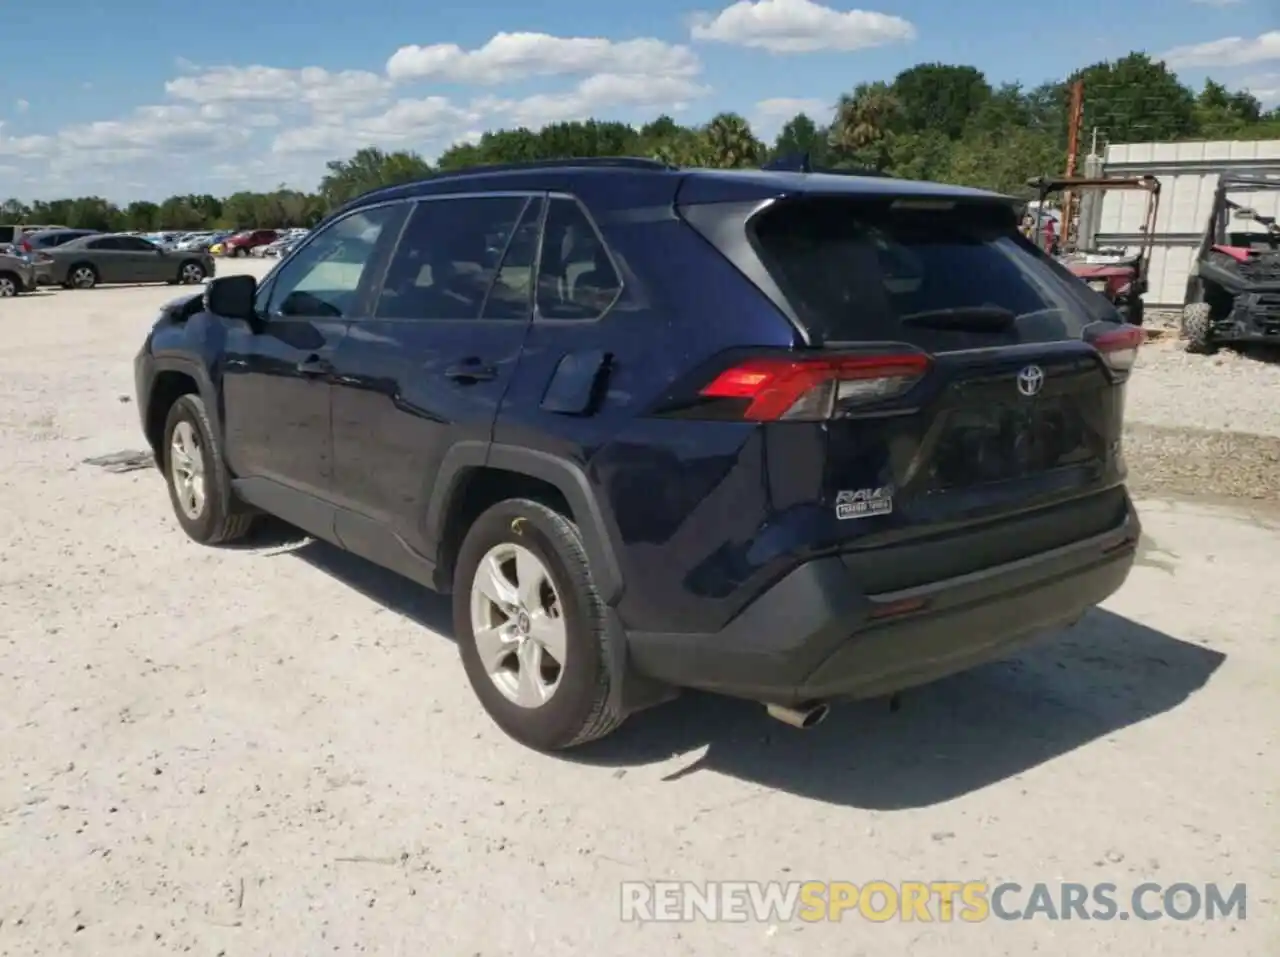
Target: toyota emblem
column 1031, row 380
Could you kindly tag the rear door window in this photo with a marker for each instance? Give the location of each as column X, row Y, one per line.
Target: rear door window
column 448, row 259
column 884, row 270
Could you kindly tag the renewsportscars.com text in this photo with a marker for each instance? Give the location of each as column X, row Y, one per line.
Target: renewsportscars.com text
column 927, row 901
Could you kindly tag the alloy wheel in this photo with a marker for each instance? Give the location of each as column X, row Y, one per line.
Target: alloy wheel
column 8, row 287
column 186, row 470
column 518, row 622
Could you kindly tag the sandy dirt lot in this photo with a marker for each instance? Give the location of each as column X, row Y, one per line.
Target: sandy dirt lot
column 273, row 750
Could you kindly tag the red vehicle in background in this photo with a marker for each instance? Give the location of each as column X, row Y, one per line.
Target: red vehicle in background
column 1118, row 274
column 243, row 244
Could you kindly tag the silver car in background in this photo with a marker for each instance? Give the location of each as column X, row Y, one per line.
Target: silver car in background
column 118, row 258
column 17, row 275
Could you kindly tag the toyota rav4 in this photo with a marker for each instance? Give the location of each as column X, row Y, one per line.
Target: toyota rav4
column 785, row 436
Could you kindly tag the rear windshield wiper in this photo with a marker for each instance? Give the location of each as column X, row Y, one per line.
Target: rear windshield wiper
column 975, row 318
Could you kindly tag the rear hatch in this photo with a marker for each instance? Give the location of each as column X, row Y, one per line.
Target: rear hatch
column 953, row 375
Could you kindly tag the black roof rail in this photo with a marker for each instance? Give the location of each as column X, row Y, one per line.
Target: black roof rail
column 600, row 162
column 605, row 162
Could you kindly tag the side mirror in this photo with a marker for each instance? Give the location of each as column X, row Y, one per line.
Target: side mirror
column 232, row 297
column 1246, row 213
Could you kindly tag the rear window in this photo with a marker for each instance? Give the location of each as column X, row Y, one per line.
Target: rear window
column 858, row 270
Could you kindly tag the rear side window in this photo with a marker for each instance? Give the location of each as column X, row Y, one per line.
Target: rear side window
column 859, row 270
column 576, row 277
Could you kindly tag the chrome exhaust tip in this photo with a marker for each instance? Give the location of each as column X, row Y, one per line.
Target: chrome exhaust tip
column 802, row 716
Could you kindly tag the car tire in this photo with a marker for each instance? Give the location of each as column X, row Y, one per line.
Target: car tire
column 81, row 276
column 191, row 273
column 1197, row 328
column 239, row 252
column 197, row 476
column 10, row 285
column 557, row 708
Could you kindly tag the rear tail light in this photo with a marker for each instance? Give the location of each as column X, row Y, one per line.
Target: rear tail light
column 1120, row 347
column 802, row 389
column 26, row 246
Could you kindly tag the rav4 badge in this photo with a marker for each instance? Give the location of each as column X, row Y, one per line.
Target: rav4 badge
column 864, row 502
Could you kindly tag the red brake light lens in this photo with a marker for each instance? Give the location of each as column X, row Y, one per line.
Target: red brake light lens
column 1120, row 347
column 810, row 389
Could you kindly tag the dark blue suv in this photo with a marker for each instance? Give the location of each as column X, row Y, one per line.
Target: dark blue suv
column 785, row 436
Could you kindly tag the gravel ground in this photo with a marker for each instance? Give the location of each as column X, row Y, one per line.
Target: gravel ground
column 1204, row 425
column 272, row 750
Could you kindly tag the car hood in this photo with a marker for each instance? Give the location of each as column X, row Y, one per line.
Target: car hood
column 175, row 306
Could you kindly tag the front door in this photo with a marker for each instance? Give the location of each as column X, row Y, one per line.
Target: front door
column 277, row 381
column 146, row 262
column 428, row 367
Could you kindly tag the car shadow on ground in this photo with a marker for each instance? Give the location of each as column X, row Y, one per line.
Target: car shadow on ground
column 944, row 740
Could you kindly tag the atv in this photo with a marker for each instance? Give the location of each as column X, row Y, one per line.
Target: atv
column 1233, row 291
column 1118, row 274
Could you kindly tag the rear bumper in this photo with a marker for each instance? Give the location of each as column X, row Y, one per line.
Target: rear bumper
column 816, row 635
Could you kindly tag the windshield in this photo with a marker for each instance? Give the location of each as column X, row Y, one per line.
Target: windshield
column 860, row 270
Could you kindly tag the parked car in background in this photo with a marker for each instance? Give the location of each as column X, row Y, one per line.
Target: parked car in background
column 284, row 245
column 195, row 241
column 50, row 238
column 11, row 235
column 88, row 261
column 243, row 244
column 17, row 275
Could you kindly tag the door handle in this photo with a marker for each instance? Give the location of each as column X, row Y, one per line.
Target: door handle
column 471, row 370
column 314, row 365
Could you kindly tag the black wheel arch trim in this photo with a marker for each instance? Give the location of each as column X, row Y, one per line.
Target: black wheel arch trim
column 204, row 384
column 566, row 476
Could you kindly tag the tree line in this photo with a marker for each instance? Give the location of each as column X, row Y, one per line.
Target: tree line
column 933, row 121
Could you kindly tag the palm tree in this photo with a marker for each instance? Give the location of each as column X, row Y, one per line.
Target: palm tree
column 864, row 117
column 731, row 142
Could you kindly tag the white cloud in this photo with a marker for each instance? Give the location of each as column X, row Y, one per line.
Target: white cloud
column 1265, row 87
column 594, row 96
column 1229, row 51
column 785, row 107
column 28, row 147
column 315, row 87
column 147, row 133
column 408, row 124
column 22, row 106
column 227, row 128
column 515, row 56
column 800, row 26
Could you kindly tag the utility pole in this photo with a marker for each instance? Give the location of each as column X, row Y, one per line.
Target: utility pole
column 1075, row 119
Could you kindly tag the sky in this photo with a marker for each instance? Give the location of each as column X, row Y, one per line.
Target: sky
column 143, row 99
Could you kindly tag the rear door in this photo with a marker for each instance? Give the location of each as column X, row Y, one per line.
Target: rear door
column 961, row 385
column 428, row 367
column 109, row 258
